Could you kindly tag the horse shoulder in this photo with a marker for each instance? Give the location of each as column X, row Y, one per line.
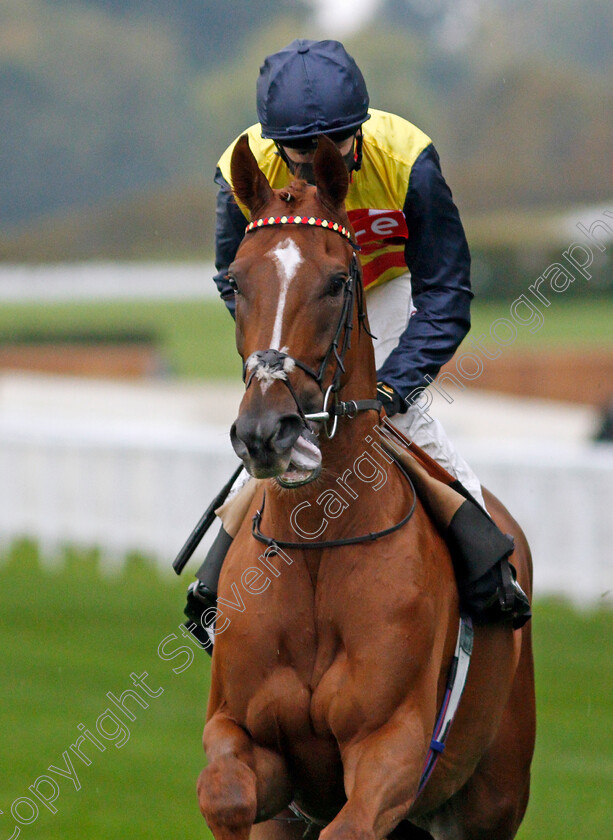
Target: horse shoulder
column 386, row 620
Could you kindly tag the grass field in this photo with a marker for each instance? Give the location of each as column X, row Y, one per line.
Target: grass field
column 197, row 337
column 69, row 635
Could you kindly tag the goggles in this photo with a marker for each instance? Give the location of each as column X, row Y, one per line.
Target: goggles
column 309, row 144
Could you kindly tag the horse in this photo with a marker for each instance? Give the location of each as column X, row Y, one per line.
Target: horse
column 333, row 644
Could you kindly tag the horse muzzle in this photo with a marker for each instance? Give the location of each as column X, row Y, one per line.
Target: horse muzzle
column 277, row 446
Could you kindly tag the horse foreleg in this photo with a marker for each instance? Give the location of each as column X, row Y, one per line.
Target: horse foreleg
column 382, row 773
column 242, row 783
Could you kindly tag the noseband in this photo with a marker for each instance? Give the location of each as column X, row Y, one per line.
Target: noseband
column 269, row 365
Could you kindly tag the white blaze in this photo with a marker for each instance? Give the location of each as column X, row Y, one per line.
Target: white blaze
column 287, row 257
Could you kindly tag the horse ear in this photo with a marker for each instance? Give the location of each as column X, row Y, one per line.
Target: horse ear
column 331, row 176
column 248, row 181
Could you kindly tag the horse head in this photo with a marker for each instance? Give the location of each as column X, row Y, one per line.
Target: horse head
column 298, row 295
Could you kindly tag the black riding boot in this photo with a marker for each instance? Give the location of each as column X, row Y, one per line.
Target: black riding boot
column 201, row 604
column 487, row 582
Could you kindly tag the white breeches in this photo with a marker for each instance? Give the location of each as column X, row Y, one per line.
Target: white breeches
column 389, row 308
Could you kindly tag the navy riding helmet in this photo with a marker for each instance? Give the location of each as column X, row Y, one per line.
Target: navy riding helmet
column 310, row 88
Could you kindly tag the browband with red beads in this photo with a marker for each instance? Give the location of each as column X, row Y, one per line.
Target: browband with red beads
column 312, row 221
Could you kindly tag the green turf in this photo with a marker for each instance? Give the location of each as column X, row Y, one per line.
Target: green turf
column 196, row 338
column 572, row 779
column 67, row 638
column 69, row 635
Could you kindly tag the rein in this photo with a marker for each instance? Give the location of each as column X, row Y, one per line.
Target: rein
column 272, row 364
column 370, row 537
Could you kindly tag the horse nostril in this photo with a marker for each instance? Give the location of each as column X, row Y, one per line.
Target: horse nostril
column 263, row 437
column 287, row 432
column 238, row 444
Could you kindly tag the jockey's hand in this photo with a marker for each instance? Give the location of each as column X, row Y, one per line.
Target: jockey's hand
column 391, row 400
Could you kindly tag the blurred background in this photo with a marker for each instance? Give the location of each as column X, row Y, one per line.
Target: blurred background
column 119, row 377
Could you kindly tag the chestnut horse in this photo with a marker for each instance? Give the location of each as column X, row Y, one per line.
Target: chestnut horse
column 331, row 660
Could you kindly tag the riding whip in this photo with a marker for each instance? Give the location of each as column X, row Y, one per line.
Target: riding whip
column 205, row 522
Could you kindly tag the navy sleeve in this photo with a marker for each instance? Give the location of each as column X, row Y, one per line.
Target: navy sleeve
column 230, row 227
column 439, row 261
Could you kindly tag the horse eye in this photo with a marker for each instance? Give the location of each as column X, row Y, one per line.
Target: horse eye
column 233, row 284
column 336, row 285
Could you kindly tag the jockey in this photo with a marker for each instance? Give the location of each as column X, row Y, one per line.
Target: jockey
column 414, row 254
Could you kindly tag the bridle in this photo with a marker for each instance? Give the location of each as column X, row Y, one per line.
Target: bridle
column 274, row 364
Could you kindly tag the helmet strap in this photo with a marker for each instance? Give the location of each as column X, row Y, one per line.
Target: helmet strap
column 283, row 155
